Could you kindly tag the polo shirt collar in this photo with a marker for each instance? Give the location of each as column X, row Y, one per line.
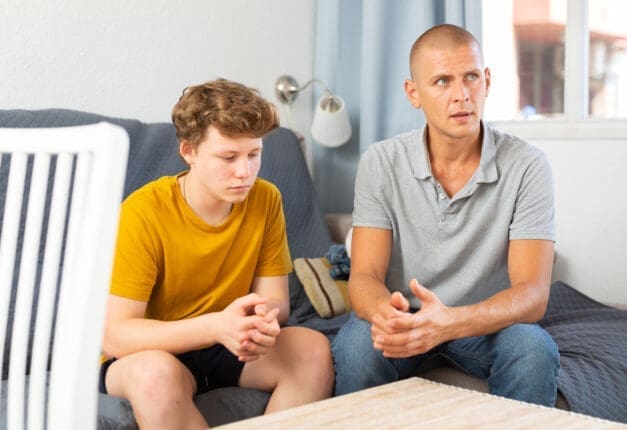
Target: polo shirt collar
column 486, row 172
column 422, row 165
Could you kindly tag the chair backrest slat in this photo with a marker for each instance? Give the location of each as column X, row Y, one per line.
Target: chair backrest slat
column 25, row 290
column 8, row 239
column 48, row 287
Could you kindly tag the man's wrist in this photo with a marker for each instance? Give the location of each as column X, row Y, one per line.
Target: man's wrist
column 461, row 322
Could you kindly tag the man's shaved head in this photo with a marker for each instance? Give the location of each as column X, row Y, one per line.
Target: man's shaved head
column 441, row 36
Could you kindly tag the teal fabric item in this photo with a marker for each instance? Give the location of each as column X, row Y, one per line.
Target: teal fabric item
column 340, row 262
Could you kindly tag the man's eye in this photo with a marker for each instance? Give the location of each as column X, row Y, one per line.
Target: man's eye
column 254, row 155
column 472, row 77
column 229, row 158
column 441, row 82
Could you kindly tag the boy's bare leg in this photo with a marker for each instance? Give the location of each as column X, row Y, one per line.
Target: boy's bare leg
column 160, row 389
column 297, row 370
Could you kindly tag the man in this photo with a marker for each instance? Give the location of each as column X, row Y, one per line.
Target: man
column 199, row 286
column 452, row 243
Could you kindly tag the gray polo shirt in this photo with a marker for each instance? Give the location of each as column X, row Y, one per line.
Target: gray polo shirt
column 456, row 246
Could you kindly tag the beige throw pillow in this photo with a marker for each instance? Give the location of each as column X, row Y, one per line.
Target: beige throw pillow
column 328, row 296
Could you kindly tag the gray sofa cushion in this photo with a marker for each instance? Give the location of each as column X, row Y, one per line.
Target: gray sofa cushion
column 220, row 406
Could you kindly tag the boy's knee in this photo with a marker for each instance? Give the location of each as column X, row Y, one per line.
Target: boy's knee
column 318, row 352
column 308, row 361
column 303, row 348
column 322, row 363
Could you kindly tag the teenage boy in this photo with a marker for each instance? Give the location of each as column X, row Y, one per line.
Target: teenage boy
column 199, row 288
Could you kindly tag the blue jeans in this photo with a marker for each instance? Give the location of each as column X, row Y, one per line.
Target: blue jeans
column 519, row 362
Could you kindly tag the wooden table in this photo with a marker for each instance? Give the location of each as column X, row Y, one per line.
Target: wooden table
column 420, row 403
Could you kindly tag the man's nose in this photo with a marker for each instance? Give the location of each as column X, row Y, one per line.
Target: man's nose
column 461, row 91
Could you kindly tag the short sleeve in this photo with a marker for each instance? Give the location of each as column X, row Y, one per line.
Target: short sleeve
column 534, row 213
column 369, row 209
column 135, row 266
column 274, row 258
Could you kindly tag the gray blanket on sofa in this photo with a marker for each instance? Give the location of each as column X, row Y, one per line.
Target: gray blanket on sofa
column 592, row 341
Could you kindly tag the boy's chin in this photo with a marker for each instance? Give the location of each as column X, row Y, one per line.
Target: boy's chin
column 235, row 199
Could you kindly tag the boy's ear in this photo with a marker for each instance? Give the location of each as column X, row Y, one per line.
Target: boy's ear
column 412, row 93
column 187, row 151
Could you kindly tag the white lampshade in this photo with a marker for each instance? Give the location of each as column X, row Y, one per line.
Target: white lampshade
column 331, row 126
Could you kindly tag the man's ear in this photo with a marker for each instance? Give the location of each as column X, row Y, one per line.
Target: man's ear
column 412, row 93
column 488, row 80
column 187, row 151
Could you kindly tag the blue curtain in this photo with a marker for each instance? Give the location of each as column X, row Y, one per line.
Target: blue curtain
column 362, row 54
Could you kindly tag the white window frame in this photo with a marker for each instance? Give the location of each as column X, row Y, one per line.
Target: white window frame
column 575, row 122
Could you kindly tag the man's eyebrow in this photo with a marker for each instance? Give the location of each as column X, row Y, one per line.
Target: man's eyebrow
column 439, row 76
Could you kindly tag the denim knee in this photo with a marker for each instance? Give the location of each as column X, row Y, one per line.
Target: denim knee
column 357, row 364
column 527, row 365
column 533, row 347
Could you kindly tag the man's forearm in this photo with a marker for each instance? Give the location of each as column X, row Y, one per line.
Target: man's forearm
column 522, row 303
column 365, row 294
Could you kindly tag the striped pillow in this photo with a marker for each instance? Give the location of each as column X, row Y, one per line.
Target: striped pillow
column 328, row 296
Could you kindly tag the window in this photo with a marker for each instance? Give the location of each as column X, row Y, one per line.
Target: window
column 540, row 66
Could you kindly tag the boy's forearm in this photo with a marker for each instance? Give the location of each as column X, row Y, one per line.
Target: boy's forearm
column 284, row 308
column 140, row 334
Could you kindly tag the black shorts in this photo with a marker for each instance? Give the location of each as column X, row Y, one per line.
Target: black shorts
column 213, row 367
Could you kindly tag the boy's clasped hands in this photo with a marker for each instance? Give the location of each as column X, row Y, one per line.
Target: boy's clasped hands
column 250, row 328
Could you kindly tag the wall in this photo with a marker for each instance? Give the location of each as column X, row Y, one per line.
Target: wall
column 132, row 59
column 588, row 161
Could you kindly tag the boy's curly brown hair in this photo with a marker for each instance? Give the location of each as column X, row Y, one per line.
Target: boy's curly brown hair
column 234, row 109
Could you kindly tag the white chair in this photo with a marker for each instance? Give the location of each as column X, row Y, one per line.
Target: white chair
column 62, row 189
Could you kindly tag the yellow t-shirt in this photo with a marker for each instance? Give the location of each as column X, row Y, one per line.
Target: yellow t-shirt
column 169, row 257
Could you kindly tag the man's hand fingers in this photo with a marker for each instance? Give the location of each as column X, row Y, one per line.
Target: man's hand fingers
column 399, row 302
column 425, row 295
column 405, row 323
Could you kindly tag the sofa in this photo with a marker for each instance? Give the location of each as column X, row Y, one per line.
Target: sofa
column 590, row 370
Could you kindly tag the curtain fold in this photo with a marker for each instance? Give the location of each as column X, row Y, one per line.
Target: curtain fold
column 362, row 53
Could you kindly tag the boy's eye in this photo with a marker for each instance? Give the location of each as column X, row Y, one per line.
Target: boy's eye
column 253, row 155
column 229, row 157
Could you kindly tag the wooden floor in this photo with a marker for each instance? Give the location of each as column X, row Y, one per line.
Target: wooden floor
column 419, row 403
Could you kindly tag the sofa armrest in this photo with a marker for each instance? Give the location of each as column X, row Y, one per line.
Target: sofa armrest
column 339, row 224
